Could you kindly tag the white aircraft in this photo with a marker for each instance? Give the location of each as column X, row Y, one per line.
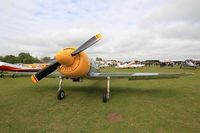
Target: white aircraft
column 130, row 65
column 135, row 65
column 189, row 64
column 103, row 65
column 16, row 69
column 125, row 65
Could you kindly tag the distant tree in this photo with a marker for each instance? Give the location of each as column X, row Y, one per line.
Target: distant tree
column 98, row 59
column 36, row 60
column 1, row 58
column 21, row 58
column 24, row 57
column 10, row 59
column 45, row 59
column 27, row 58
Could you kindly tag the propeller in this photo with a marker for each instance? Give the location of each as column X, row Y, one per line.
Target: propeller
column 64, row 57
column 87, row 44
column 45, row 71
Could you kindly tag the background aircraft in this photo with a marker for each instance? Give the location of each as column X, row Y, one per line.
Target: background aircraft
column 125, row 65
column 129, row 65
column 135, row 65
column 103, row 65
column 37, row 65
column 74, row 64
column 16, row 69
column 188, row 63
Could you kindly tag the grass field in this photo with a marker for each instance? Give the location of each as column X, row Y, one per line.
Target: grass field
column 161, row 106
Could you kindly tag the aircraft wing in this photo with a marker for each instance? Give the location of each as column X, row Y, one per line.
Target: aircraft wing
column 136, row 76
column 26, row 74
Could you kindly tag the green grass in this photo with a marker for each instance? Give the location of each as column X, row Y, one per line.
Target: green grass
column 162, row 106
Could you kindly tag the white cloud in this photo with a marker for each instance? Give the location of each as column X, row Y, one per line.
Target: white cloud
column 132, row 29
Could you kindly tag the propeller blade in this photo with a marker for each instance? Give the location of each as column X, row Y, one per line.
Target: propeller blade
column 45, row 71
column 87, row 44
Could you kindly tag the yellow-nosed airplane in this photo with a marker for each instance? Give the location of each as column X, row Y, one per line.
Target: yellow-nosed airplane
column 74, row 64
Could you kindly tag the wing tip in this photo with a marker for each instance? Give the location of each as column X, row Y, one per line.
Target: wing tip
column 186, row 74
column 34, row 79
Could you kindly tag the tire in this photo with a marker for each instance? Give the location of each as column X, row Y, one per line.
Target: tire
column 13, row 76
column 60, row 94
column 104, row 98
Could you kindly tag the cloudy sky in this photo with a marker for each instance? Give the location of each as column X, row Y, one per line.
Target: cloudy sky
column 132, row 29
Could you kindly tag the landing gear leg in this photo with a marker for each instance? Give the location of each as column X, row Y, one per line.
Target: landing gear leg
column 60, row 92
column 1, row 74
column 106, row 94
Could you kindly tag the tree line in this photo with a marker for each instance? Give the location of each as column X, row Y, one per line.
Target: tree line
column 22, row 57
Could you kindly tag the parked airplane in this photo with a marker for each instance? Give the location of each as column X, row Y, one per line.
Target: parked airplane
column 103, row 65
column 130, row 65
column 7, row 67
column 37, row 65
column 74, row 64
column 16, row 68
column 188, row 63
column 136, row 65
column 125, row 65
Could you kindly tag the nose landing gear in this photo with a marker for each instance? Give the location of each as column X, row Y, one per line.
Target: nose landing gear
column 60, row 92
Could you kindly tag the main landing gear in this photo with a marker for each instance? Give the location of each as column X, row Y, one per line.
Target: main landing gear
column 106, row 94
column 60, row 92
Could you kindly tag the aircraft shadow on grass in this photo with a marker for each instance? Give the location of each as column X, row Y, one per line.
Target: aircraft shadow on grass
column 93, row 90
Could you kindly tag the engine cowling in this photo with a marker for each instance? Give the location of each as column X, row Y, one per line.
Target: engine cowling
column 73, row 66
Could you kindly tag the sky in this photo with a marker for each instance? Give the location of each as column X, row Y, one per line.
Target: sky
column 131, row 29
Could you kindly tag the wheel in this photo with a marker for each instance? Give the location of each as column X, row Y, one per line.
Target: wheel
column 60, row 94
column 13, row 76
column 105, row 97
